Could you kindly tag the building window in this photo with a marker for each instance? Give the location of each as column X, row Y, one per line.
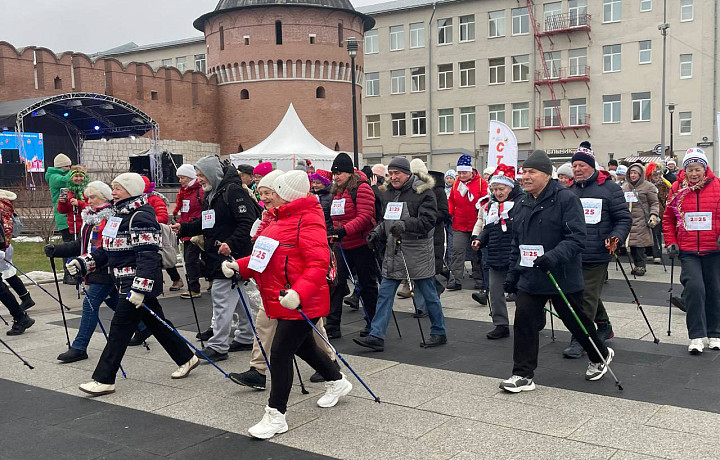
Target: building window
column 200, row 63
column 552, row 61
column 397, row 38
column 686, row 66
column 578, row 112
column 645, row 50
column 417, row 79
column 641, row 106
column 419, row 127
column 446, row 123
column 467, row 28
column 320, row 92
column 611, row 58
column 167, row 62
column 497, row 70
column 612, row 10
column 520, row 21
column 180, row 64
column 373, row 126
column 244, row 94
column 399, row 124
column 578, row 12
column 645, row 5
column 246, row 39
column 154, row 95
column 578, row 62
column 520, row 115
column 222, row 38
column 551, row 113
column 278, row 32
column 496, row 112
column 445, row 76
column 371, row 42
column 496, row 24
column 467, row 74
column 520, row 68
column 686, row 10
column 340, row 34
column 58, row 82
column 685, row 122
column 397, row 81
column 552, row 14
column 445, row 31
column 611, row 108
column 417, row 35
column 467, row 119
column 312, row 38
column 372, row 84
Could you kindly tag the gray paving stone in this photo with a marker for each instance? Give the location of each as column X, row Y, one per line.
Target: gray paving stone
column 686, row 420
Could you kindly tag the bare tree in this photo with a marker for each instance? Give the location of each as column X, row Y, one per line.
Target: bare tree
column 34, row 206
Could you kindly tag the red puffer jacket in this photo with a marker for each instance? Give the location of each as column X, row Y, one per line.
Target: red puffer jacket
column 680, row 203
column 300, row 262
column 74, row 218
column 358, row 217
column 462, row 209
column 193, row 194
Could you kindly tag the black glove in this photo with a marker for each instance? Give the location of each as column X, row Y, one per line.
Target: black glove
column 340, row 233
column 510, row 284
column 373, row 239
column 397, row 229
column 50, row 250
column 673, row 251
column 543, row 263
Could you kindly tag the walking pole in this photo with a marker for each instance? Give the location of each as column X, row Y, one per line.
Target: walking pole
column 670, row 291
column 552, row 323
column 585, row 331
column 252, row 325
column 192, row 299
column 398, row 247
column 379, row 268
column 52, row 263
column 75, row 237
column 303, row 390
column 15, row 353
column 337, row 353
column 657, row 241
column 637, row 302
column 3, row 320
column 57, row 286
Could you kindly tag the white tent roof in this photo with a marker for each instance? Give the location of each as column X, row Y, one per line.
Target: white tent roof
column 287, row 144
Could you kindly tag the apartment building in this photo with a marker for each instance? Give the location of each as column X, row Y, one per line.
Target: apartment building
column 186, row 54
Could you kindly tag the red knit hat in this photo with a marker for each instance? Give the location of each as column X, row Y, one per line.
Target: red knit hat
column 504, row 175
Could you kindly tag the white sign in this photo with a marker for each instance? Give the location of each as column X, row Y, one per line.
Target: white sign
column 530, row 252
column 208, row 219
column 185, row 206
column 592, row 207
column 630, row 197
column 112, row 226
column 338, row 208
column 503, row 146
column 393, row 210
column 698, row 221
column 262, row 252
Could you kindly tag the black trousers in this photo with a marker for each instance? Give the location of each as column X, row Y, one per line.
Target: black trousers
column 123, row 326
column 8, row 299
column 66, row 237
column 529, row 319
column 174, row 274
column 18, row 286
column 638, row 255
column 192, row 265
column 295, row 337
column 362, row 262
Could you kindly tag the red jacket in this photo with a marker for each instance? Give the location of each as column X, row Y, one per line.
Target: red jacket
column 679, row 203
column 194, row 196
column 462, row 209
column 74, row 218
column 359, row 217
column 300, row 262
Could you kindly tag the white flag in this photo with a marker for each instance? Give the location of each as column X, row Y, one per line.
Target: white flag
column 503, row 147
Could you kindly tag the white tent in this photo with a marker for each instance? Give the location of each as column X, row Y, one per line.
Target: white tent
column 289, row 143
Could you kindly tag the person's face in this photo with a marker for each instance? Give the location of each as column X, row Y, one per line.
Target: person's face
column 341, row 178
column 671, row 166
column 563, row 179
column 694, row 172
column 486, row 176
column 269, row 197
column 257, row 178
column 582, row 170
column 398, row 178
column 246, row 178
column 612, row 168
column 656, row 176
column 78, row 179
column 621, row 176
column 534, row 181
column 204, row 182
column 317, row 185
column 119, row 193
column 95, row 201
column 634, row 175
column 501, row 192
column 464, row 176
column 449, row 180
column 184, row 180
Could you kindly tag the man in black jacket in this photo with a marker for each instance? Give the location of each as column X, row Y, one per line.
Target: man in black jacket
column 607, row 222
column 548, row 237
column 228, row 215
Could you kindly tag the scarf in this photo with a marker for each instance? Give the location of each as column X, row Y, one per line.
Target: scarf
column 95, row 221
column 676, row 202
column 464, row 190
column 129, row 205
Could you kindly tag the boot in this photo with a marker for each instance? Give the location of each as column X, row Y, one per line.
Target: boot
column 574, row 351
column 404, row 291
column 139, row 337
column 500, row 332
column 21, row 325
column 453, row 285
column 72, row 355
column 480, row 297
column 272, row 423
column 352, row 301
column 205, row 335
column 26, row 302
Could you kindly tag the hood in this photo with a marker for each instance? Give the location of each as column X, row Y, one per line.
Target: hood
column 641, row 169
column 418, row 185
column 212, row 169
column 149, row 185
column 428, row 182
column 439, row 179
column 53, row 171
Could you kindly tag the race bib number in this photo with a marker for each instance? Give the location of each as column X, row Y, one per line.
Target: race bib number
column 111, row 227
column 630, row 197
column 338, row 208
column 530, row 252
column 393, row 211
column 698, row 221
column 262, row 252
column 185, row 206
column 592, row 208
column 208, row 219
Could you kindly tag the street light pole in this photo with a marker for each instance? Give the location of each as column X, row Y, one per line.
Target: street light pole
column 663, row 30
column 671, row 108
column 352, row 48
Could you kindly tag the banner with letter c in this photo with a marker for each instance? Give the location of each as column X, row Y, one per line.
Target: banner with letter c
column 503, row 146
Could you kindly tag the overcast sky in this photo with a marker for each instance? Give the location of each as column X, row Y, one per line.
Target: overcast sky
column 96, row 25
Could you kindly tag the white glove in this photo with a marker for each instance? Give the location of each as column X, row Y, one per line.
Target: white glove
column 291, row 300
column 229, row 268
column 2, row 255
column 136, row 298
column 74, row 267
column 654, row 220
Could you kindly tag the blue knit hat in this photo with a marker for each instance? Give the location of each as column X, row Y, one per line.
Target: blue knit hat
column 451, row 173
column 464, row 163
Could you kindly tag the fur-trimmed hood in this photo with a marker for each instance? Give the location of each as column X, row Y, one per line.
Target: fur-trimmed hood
column 419, row 182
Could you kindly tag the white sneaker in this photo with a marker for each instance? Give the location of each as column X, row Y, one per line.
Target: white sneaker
column 714, row 343
column 96, row 388
column 595, row 371
column 272, row 423
column 517, row 383
column 185, row 369
column 696, row 346
column 334, row 390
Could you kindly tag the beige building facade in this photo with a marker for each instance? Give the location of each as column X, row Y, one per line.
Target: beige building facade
column 186, row 54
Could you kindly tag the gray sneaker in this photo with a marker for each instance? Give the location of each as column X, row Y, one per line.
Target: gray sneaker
column 574, row 351
column 595, row 371
column 516, row 384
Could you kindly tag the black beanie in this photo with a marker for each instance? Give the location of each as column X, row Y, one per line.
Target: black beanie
column 342, row 163
column 585, row 144
column 539, row 160
column 245, row 169
column 585, row 155
column 400, row 164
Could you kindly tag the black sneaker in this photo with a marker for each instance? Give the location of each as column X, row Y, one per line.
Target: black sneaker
column 678, row 303
column 317, row 378
column 139, row 337
column 510, row 297
column 516, row 384
column 237, row 346
column 480, row 297
column 26, row 302
column 212, row 354
column 420, row 314
column 333, row 332
column 435, row 340
column 500, row 332
column 453, row 286
column 352, row 301
column 20, row 326
column 605, row 330
column 364, row 332
column 72, row 355
column 250, row 378
column 574, row 351
column 205, row 335
column 371, row 342
column 69, row 279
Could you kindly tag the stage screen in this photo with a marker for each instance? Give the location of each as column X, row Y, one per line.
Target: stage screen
column 33, row 152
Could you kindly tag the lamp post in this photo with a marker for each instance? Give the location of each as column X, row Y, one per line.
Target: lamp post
column 671, row 109
column 352, row 48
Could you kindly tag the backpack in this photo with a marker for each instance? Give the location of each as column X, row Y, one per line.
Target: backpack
column 378, row 203
column 168, row 245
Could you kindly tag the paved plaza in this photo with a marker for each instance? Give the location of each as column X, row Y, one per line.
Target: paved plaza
column 441, row 403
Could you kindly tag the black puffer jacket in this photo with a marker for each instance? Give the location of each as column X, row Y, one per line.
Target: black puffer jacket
column 555, row 221
column 493, row 236
column 325, row 197
column 615, row 218
column 443, row 216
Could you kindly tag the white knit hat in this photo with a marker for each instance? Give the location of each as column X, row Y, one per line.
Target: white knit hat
column 62, row 160
column 695, row 156
column 489, row 170
column 292, row 185
column 379, row 169
column 269, row 179
column 132, row 182
column 565, row 170
column 187, row 171
column 7, row 195
column 622, row 169
column 99, row 188
column 418, row 166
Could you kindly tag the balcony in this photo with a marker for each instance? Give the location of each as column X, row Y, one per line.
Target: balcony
column 565, row 23
column 562, row 75
column 550, row 123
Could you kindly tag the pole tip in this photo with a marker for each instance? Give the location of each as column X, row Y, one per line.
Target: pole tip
column 377, row 400
column 656, row 341
column 620, row 387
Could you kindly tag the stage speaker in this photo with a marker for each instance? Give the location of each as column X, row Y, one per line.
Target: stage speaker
column 10, row 156
column 140, row 165
column 170, row 162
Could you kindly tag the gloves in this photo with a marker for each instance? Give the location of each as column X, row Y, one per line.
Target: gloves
column 291, row 300
column 653, row 221
column 543, row 263
column 510, row 284
column 397, row 229
column 337, row 233
column 230, row 268
column 74, row 267
column 673, row 251
column 136, row 298
column 50, row 250
column 372, row 240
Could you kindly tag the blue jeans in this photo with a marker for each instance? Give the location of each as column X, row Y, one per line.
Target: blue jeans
column 426, row 297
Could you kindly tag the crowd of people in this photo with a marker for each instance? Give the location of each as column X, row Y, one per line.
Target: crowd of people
column 283, row 252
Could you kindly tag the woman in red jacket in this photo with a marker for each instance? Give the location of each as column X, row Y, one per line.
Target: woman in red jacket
column 691, row 226
column 290, row 256
column 189, row 206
